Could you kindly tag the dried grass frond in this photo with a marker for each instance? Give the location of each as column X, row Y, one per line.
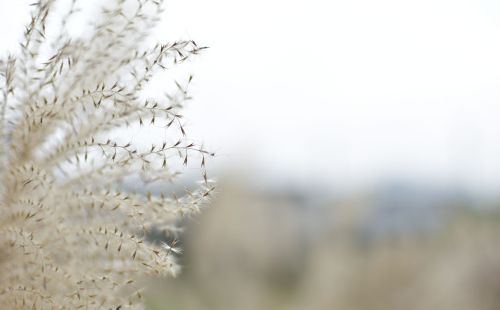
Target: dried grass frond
column 70, row 236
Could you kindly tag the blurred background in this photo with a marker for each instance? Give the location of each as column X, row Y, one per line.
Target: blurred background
column 358, row 153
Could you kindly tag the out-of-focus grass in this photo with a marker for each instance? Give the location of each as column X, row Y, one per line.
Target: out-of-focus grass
column 254, row 252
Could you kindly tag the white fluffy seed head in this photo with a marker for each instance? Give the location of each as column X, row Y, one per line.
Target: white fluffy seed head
column 70, row 235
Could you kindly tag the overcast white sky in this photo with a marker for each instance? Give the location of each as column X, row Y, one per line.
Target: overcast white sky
column 351, row 92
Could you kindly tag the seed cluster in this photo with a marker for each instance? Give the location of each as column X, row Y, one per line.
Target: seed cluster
column 70, row 236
